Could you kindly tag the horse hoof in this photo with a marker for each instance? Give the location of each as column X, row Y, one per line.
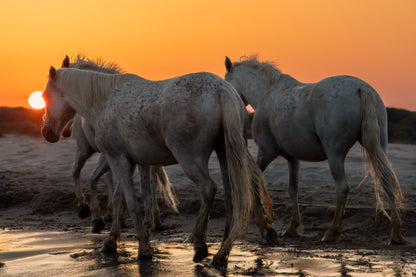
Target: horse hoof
column 109, row 248
column 219, row 262
column 145, row 256
column 397, row 241
column 83, row 211
column 290, row 233
column 159, row 227
column 97, row 226
column 271, row 236
column 330, row 237
column 108, row 218
column 201, row 252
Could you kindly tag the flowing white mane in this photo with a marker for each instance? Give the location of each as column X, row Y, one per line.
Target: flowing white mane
column 98, row 64
column 267, row 69
column 87, row 86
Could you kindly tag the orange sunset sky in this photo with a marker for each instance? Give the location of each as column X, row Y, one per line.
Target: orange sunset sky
column 374, row 40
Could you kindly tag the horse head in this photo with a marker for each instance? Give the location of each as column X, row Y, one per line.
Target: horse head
column 57, row 111
column 252, row 79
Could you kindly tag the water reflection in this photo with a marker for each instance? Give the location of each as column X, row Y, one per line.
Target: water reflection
column 344, row 269
column 68, row 254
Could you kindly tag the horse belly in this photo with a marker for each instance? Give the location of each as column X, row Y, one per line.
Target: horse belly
column 301, row 147
column 151, row 154
column 311, row 152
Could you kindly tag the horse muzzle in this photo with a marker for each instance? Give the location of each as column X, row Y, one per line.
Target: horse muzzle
column 49, row 135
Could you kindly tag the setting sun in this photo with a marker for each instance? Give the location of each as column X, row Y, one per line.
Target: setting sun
column 36, row 101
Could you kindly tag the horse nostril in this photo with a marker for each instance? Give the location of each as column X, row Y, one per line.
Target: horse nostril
column 49, row 136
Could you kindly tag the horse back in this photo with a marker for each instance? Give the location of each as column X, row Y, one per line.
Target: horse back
column 336, row 109
column 149, row 118
column 307, row 120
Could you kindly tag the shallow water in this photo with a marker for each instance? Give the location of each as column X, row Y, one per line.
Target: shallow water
column 77, row 254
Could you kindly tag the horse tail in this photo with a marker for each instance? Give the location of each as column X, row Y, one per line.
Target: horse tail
column 383, row 172
column 244, row 175
column 165, row 186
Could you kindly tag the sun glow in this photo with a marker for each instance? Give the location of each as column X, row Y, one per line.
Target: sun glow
column 36, row 101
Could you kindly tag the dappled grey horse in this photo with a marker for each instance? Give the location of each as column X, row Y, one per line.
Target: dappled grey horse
column 179, row 120
column 85, row 138
column 315, row 122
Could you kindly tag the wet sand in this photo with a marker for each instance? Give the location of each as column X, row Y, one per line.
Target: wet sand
column 43, row 236
column 77, row 254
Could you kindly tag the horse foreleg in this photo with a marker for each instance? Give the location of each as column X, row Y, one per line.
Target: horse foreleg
column 266, row 153
column 110, row 243
column 97, row 220
column 81, row 157
column 146, row 196
column 292, row 229
column 336, row 165
column 123, row 169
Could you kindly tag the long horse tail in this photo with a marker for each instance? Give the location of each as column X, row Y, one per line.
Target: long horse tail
column 258, row 185
column 243, row 172
column 383, row 172
column 165, row 187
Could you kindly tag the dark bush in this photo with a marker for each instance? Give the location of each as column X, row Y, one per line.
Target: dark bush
column 402, row 125
column 20, row 121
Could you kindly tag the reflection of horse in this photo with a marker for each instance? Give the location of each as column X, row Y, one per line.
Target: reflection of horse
column 85, row 138
column 180, row 120
column 314, row 122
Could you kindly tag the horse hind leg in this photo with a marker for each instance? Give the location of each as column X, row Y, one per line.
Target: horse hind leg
column 292, row 229
column 227, row 192
column 197, row 170
column 336, row 166
column 155, row 207
column 147, row 196
column 108, row 180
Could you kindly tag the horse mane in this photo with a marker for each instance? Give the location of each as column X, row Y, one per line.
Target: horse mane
column 267, row 69
column 86, row 85
column 98, row 64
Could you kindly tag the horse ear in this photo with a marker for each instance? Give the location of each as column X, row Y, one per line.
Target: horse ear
column 228, row 64
column 65, row 63
column 52, row 73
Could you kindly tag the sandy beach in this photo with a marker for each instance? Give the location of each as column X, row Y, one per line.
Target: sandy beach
column 41, row 234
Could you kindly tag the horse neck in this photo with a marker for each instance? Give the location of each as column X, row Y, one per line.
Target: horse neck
column 287, row 81
column 261, row 87
column 256, row 89
column 88, row 113
column 87, row 98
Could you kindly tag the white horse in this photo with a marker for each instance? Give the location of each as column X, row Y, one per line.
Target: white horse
column 315, row 122
column 85, row 138
column 180, row 120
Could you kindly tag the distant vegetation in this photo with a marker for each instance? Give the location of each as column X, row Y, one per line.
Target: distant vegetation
column 22, row 121
column 402, row 126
